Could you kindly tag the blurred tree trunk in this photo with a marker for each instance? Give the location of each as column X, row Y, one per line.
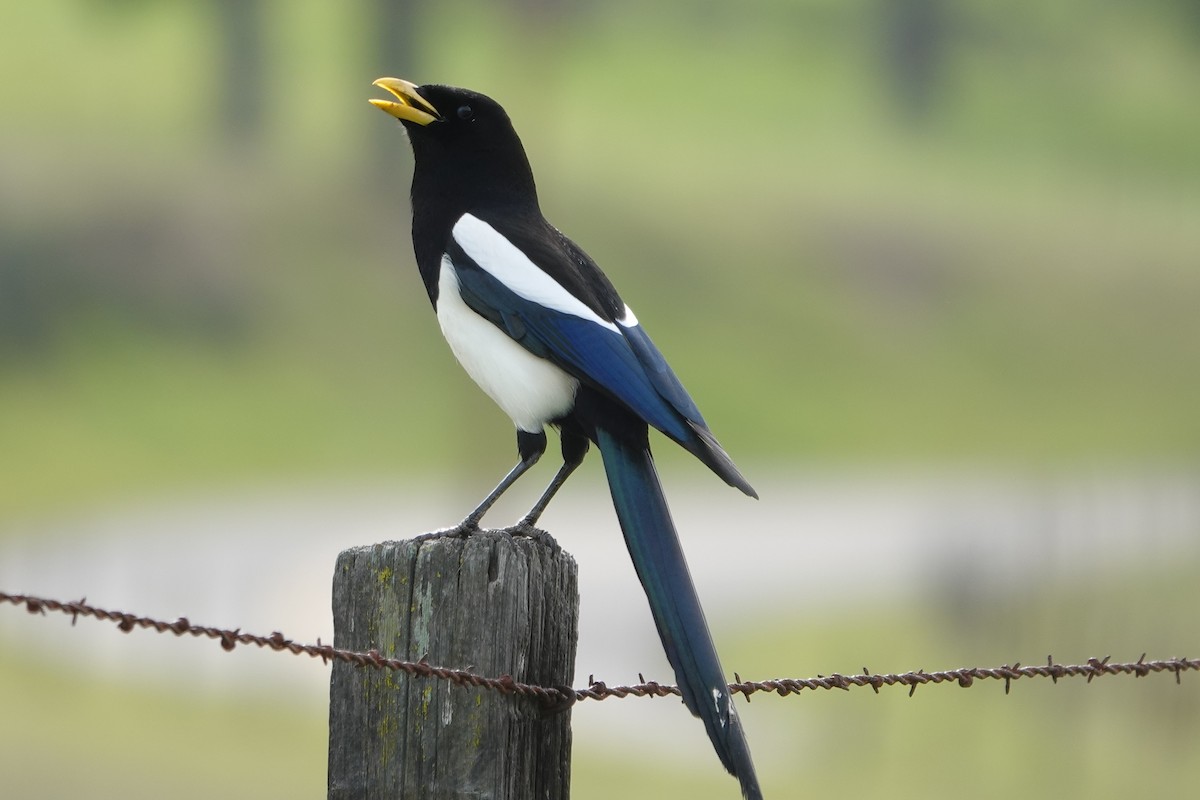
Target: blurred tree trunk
column 394, row 24
column 393, row 52
column 240, row 30
column 914, row 33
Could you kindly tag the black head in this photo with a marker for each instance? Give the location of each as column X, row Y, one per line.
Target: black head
column 467, row 153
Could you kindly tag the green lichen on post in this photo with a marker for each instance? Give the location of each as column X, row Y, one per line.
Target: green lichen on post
column 426, row 697
column 386, row 730
column 421, row 613
column 475, row 720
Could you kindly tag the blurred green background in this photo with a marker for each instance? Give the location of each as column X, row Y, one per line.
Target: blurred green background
column 885, row 235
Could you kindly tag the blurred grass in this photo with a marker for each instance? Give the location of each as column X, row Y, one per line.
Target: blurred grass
column 64, row 736
column 1108, row 739
column 1114, row 737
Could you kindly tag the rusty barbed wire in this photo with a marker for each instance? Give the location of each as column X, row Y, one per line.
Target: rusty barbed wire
column 229, row 639
column 563, row 696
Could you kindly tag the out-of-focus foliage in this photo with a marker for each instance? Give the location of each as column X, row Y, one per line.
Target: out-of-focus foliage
column 908, row 229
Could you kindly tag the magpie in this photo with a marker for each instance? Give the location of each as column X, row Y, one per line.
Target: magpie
column 543, row 332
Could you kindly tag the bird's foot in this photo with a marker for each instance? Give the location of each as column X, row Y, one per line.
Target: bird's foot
column 526, row 529
column 460, row 531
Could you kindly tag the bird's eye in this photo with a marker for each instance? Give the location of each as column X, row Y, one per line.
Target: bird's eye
column 466, row 113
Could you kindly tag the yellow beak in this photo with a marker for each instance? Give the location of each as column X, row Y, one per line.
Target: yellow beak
column 412, row 107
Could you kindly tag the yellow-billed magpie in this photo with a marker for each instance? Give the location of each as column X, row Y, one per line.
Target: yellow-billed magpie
column 543, row 332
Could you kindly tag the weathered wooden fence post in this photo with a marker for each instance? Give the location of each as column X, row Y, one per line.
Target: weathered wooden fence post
column 489, row 603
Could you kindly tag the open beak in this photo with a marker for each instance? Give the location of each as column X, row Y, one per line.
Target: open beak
column 411, row 106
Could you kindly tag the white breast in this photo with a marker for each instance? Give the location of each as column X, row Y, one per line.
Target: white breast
column 531, row 390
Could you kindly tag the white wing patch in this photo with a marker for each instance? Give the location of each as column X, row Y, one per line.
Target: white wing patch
column 531, row 390
column 505, row 262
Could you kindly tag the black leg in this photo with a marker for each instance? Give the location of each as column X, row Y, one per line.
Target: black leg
column 530, row 446
column 574, row 448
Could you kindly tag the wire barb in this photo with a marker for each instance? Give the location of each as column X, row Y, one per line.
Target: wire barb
column 558, row 698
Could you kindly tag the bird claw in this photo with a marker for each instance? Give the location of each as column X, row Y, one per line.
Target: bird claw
column 528, row 530
column 462, row 530
column 468, row 527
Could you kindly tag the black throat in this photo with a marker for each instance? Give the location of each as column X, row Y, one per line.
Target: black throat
column 451, row 181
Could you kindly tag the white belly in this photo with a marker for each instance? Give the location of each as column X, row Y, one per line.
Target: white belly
column 531, row 390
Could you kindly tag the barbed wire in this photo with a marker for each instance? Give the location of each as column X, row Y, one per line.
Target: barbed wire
column 563, row 696
column 230, row 639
